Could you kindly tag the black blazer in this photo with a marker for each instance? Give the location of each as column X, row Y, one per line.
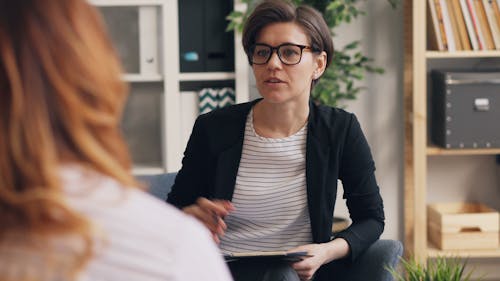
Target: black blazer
column 336, row 149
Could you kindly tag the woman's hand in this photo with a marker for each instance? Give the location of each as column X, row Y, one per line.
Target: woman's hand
column 308, row 266
column 211, row 214
column 321, row 254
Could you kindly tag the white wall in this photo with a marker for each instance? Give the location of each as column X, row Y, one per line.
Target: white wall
column 379, row 107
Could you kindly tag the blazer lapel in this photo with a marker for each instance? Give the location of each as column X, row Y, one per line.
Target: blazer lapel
column 228, row 160
column 317, row 156
column 227, row 170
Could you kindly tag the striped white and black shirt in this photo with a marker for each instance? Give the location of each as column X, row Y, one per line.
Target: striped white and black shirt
column 270, row 195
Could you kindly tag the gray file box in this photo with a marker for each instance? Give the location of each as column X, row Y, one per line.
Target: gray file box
column 465, row 109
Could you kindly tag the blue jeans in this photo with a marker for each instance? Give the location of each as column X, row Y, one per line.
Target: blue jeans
column 265, row 270
column 262, row 270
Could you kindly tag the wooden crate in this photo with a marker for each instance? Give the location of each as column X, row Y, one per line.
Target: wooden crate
column 463, row 226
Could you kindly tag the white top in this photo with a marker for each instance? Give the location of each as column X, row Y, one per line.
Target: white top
column 270, row 195
column 145, row 239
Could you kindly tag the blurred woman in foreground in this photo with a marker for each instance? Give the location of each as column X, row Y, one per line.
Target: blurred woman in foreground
column 69, row 209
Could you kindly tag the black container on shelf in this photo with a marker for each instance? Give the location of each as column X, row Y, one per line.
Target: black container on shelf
column 465, row 109
column 205, row 46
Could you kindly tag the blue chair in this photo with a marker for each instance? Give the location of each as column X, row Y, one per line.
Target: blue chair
column 371, row 265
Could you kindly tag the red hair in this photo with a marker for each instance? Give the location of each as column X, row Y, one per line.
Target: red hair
column 61, row 100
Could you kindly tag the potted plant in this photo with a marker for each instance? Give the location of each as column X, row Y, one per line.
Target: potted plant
column 440, row 269
column 348, row 63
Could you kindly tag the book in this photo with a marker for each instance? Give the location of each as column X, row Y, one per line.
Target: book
column 448, row 29
column 483, row 23
column 439, row 14
column 475, row 23
column 435, row 41
column 468, row 23
column 496, row 10
column 489, row 8
column 267, row 255
column 454, row 25
column 462, row 30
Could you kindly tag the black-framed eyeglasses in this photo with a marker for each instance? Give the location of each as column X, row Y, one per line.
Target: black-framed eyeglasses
column 288, row 53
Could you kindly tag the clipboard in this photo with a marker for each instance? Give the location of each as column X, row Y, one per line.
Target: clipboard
column 268, row 256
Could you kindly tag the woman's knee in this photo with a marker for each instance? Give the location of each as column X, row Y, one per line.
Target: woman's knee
column 281, row 272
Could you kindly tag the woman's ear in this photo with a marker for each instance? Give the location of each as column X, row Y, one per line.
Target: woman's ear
column 320, row 63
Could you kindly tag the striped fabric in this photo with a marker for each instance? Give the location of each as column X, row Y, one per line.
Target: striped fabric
column 270, row 195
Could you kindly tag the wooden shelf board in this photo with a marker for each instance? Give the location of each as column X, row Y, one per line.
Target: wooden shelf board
column 461, row 54
column 142, row 77
column 434, row 150
column 117, row 3
column 433, row 252
column 206, row 76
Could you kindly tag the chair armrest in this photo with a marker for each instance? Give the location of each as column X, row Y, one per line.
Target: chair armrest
column 159, row 185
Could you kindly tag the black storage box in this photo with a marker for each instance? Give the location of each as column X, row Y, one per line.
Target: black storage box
column 204, row 44
column 465, row 109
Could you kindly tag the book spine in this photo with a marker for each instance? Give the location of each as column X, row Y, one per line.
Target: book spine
column 434, row 32
column 448, row 27
column 475, row 23
column 483, row 23
column 439, row 13
column 458, row 21
column 454, row 25
column 469, row 25
column 462, row 30
column 489, row 9
column 496, row 10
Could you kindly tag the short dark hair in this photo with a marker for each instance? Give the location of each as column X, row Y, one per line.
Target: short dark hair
column 276, row 11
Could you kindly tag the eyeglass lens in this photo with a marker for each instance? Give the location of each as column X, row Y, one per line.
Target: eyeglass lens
column 288, row 54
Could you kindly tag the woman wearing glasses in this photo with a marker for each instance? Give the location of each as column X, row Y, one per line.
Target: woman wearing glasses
column 262, row 176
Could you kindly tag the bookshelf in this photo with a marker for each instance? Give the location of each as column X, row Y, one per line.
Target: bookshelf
column 420, row 57
column 146, row 35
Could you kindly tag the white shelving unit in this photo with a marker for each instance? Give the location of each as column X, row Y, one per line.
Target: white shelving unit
column 146, row 34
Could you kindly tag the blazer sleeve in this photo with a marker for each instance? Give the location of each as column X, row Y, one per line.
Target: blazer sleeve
column 193, row 179
column 362, row 194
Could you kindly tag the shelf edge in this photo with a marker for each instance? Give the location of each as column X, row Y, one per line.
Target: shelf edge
column 433, row 252
column 461, row 54
column 434, row 150
column 118, row 3
column 142, row 78
column 202, row 76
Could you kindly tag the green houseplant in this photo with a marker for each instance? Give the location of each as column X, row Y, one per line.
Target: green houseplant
column 440, row 269
column 348, row 63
